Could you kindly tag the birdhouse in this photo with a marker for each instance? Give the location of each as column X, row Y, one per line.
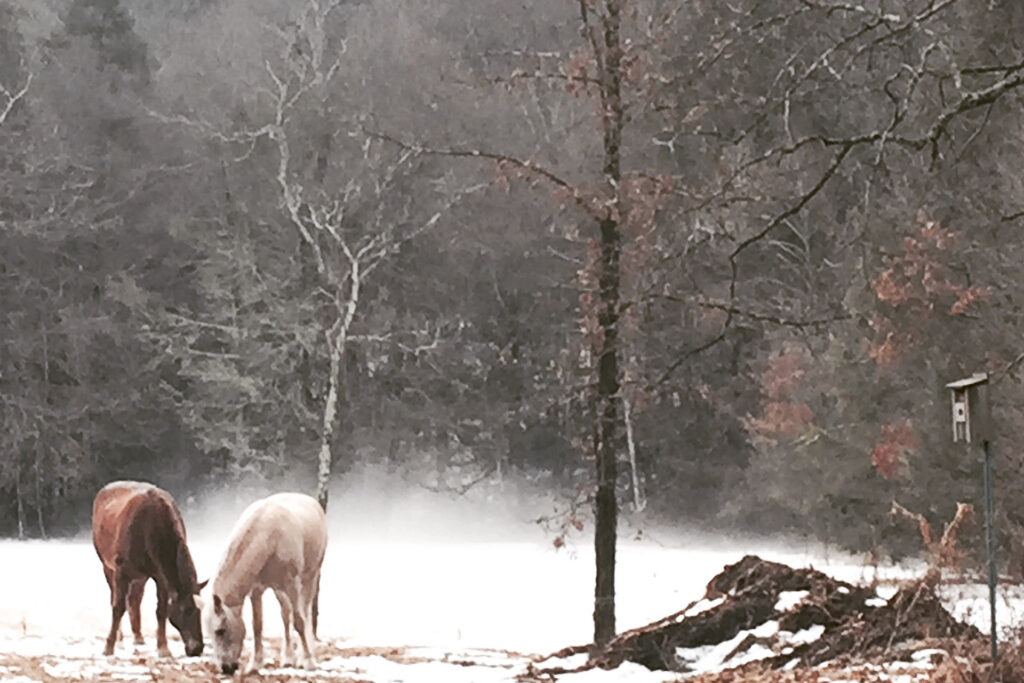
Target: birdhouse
column 969, row 407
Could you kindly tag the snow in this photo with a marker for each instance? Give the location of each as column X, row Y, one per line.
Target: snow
column 789, row 599
column 713, row 657
column 701, row 606
column 414, row 594
column 807, row 635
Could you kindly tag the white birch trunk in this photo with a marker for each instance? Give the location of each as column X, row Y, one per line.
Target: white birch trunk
column 330, row 417
column 639, row 500
column 337, row 340
column 21, row 508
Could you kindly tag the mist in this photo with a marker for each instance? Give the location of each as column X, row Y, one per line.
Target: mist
column 407, row 566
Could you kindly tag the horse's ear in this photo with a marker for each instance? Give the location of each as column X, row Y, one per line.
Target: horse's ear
column 201, row 586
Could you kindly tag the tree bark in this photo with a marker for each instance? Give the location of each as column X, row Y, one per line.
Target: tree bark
column 330, row 418
column 605, row 502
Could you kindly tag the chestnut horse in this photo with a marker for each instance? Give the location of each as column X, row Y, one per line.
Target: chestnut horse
column 139, row 535
column 278, row 543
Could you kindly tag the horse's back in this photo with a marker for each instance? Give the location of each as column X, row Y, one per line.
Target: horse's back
column 122, row 506
column 290, row 527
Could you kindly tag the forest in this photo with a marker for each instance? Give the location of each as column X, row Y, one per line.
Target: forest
column 709, row 262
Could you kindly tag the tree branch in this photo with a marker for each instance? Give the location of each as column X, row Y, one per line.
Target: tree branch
column 530, row 167
column 11, row 99
column 684, row 356
column 778, row 219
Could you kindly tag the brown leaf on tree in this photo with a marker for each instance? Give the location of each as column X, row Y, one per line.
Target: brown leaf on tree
column 897, row 441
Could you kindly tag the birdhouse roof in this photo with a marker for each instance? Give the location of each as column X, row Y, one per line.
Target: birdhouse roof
column 976, row 378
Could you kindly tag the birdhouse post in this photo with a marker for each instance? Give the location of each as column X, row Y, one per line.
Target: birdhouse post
column 972, row 425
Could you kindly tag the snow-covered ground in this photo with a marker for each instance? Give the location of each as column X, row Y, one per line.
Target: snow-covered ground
column 414, row 592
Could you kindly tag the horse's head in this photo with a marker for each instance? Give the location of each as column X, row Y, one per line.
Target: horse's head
column 183, row 613
column 228, row 629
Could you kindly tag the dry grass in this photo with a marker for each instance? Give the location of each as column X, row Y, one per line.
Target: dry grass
column 954, row 661
column 180, row 669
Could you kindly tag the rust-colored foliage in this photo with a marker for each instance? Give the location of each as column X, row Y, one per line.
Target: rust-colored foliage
column 783, row 416
column 781, row 420
column 578, row 81
column 918, row 284
column 896, row 442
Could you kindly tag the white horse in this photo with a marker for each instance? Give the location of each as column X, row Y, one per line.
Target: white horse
column 278, row 543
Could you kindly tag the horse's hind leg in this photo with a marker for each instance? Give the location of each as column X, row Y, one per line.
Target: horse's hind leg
column 286, row 617
column 313, row 600
column 118, row 591
column 135, row 590
column 301, row 610
column 108, row 574
column 161, row 620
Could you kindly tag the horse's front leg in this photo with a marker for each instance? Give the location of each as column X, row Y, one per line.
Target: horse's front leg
column 286, row 617
column 118, row 591
column 135, row 591
column 161, row 620
column 256, row 598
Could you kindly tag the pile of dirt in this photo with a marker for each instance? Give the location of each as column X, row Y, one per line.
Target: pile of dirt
column 840, row 622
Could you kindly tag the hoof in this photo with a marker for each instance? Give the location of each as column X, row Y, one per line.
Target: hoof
column 108, row 651
column 139, row 640
column 164, row 653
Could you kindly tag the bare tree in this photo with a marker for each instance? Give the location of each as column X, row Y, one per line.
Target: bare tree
column 350, row 216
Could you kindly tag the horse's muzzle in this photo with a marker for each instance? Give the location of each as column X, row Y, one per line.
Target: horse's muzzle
column 228, row 669
column 194, row 649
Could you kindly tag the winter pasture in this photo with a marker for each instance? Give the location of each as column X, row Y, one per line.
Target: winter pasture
column 417, row 588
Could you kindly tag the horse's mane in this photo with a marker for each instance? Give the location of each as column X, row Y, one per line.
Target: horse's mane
column 241, row 561
column 183, row 566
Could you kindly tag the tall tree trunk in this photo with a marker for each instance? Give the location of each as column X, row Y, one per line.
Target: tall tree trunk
column 330, row 419
column 337, row 341
column 605, row 502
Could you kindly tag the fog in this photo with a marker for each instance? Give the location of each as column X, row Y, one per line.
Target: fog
column 418, row 586
column 408, row 566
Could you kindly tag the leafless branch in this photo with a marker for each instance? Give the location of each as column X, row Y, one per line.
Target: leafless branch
column 782, row 321
column 8, row 99
column 683, row 356
column 530, row 167
column 781, row 217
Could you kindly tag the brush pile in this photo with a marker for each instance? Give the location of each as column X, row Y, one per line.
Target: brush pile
column 781, row 617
